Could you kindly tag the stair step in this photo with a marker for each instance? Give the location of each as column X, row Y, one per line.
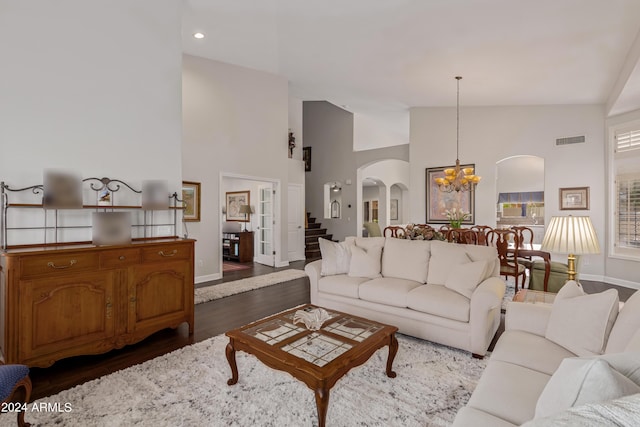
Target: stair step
column 312, row 246
column 315, row 225
column 315, row 231
column 311, row 220
column 314, row 239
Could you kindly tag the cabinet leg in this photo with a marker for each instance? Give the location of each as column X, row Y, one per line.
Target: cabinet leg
column 231, row 358
column 322, row 402
column 393, row 349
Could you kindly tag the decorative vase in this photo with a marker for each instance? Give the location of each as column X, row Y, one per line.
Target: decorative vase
column 455, row 224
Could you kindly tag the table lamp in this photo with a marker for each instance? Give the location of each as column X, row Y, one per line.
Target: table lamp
column 246, row 210
column 573, row 235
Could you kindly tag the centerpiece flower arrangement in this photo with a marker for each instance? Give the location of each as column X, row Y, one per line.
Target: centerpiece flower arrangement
column 417, row 232
column 456, row 217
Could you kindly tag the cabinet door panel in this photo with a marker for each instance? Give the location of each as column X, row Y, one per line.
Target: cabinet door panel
column 159, row 294
column 65, row 314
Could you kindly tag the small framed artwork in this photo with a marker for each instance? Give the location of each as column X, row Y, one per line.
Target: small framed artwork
column 438, row 202
column 574, row 199
column 236, row 199
column 393, row 211
column 191, row 201
column 306, row 158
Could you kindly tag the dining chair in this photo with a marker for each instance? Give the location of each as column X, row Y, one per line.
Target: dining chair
column 482, row 231
column 394, row 231
column 507, row 244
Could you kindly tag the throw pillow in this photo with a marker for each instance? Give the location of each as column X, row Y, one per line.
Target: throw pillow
column 465, row 278
column 366, row 254
column 445, row 258
column 406, row 259
column 627, row 323
column 579, row 381
column 581, row 323
column 336, row 257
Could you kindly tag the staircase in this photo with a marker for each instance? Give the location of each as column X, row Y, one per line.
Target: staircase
column 311, row 235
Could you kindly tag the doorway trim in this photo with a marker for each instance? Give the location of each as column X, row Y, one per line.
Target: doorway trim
column 277, row 214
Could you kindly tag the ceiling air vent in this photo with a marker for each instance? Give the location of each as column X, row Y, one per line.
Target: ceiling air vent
column 570, row 140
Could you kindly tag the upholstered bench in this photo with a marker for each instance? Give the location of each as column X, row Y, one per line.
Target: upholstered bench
column 12, row 379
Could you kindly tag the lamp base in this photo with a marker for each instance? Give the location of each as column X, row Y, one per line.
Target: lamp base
column 571, row 267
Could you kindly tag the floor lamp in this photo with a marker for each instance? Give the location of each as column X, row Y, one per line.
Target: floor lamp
column 246, row 210
column 573, row 235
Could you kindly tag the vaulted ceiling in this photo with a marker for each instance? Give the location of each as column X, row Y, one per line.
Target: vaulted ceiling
column 388, row 55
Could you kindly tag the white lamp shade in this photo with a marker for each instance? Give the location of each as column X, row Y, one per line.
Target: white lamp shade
column 245, row 209
column 571, row 235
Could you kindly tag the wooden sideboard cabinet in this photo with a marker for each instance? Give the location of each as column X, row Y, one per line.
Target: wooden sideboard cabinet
column 62, row 301
column 238, row 246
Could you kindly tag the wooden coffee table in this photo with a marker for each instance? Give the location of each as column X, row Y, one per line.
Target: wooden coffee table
column 317, row 358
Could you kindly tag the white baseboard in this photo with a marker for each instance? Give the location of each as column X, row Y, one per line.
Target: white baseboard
column 282, row 264
column 621, row 282
column 208, row 278
column 297, row 258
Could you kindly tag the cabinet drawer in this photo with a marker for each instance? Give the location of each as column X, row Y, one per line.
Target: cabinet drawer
column 58, row 263
column 119, row 258
column 165, row 253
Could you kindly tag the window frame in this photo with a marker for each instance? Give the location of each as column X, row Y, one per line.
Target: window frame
column 615, row 251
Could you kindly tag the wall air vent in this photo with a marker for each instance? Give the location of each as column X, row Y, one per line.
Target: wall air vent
column 570, row 140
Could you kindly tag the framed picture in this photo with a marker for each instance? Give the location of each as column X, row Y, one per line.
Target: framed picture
column 574, row 198
column 393, row 210
column 306, row 158
column 235, row 199
column 191, row 201
column 438, row 202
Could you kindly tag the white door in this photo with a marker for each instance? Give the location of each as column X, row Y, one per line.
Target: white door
column 296, row 222
column 265, row 228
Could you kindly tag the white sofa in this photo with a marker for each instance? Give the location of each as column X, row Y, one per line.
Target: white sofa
column 432, row 290
column 517, row 385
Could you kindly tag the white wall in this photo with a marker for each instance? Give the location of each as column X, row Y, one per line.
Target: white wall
column 489, row 134
column 93, row 87
column 371, row 132
column 235, row 122
column 520, row 174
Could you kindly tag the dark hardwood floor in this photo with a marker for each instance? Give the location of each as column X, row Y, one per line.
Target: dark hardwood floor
column 211, row 319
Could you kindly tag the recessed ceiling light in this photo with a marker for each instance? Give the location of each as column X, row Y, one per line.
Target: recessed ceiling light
column 198, row 35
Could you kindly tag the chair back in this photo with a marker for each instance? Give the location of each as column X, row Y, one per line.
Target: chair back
column 482, row 231
column 525, row 236
column 461, row 235
column 506, row 243
column 394, row 231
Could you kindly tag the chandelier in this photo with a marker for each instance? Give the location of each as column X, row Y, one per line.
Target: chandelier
column 457, row 179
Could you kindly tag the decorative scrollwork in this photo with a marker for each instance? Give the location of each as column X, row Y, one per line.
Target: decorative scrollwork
column 36, row 189
column 107, row 183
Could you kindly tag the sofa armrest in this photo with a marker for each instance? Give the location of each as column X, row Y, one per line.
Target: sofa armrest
column 313, row 271
column 484, row 316
column 532, row 318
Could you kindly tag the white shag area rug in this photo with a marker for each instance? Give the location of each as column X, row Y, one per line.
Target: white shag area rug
column 209, row 293
column 189, row 388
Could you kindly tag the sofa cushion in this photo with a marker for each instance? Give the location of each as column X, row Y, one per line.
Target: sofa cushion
column 341, row 285
column 508, row 391
column 472, row 417
column 484, row 253
column 336, row 257
column 366, row 256
column 387, row 290
column 634, row 343
column 579, row 381
column 516, row 347
column 626, row 326
column 406, row 259
column 466, row 277
column 439, row 301
column 582, row 323
column 445, row 257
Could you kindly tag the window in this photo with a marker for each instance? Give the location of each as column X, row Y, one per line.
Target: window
column 626, row 169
